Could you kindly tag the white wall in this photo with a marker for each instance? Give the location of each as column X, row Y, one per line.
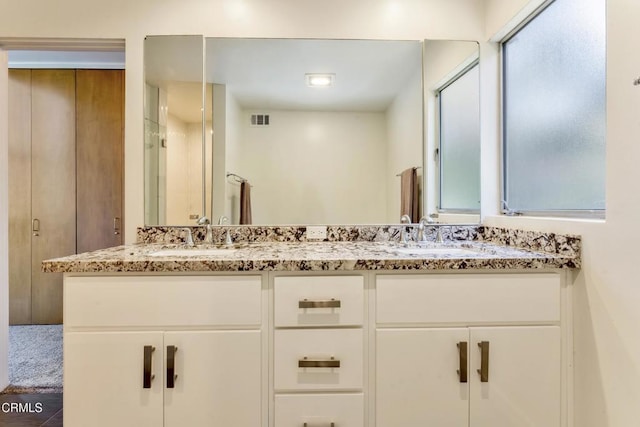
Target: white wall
column 310, row 167
column 233, row 134
column 4, row 222
column 404, row 141
column 177, row 207
column 194, row 170
column 607, row 288
column 219, row 151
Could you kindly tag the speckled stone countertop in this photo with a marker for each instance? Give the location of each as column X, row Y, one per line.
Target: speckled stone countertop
column 311, row 256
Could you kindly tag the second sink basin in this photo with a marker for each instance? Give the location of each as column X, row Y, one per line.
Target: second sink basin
column 192, row 252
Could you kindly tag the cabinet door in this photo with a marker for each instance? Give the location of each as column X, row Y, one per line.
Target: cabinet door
column 522, row 387
column 218, row 380
column 416, row 379
column 104, row 379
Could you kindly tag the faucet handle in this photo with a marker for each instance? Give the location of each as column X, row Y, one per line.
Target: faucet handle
column 189, row 238
column 228, row 239
column 209, row 236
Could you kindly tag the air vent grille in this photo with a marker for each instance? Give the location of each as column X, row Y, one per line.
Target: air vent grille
column 259, row 120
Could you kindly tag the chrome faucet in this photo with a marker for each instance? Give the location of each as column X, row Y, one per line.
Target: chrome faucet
column 228, row 240
column 421, row 238
column 189, row 238
column 209, row 236
column 405, row 236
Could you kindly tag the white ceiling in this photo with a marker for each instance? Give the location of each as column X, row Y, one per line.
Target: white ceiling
column 270, row 73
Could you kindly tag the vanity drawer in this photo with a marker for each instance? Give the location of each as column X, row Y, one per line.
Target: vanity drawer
column 141, row 301
column 319, row 410
column 319, row 301
column 467, row 298
column 294, row 372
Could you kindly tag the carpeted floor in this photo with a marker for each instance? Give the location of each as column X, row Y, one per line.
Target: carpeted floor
column 35, row 359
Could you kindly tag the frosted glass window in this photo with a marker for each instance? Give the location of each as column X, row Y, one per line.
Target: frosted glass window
column 554, row 109
column 460, row 143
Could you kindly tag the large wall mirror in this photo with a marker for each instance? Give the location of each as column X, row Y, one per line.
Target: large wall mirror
column 243, row 115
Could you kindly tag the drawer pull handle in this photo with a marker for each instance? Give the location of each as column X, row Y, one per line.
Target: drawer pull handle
column 315, row 363
column 462, row 357
column 332, row 303
column 146, row 374
column 171, row 366
column 484, row 361
column 330, row 424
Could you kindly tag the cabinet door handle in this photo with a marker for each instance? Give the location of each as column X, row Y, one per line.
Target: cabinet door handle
column 146, row 374
column 332, row 303
column 462, row 357
column 171, row 366
column 116, row 225
column 35, row 227
column 484, row 361
column 316, row 363
column 332, row 424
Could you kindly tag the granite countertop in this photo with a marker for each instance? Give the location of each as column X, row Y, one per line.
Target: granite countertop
column 308, row 256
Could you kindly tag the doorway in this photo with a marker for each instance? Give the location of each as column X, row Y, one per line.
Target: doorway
column 70, row 127
column 65, row 178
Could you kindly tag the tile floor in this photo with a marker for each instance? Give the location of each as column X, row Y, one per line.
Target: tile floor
column 49, row 416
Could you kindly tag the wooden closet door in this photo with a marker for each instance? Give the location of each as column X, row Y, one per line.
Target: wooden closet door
column 53, row 185
column 100, row 111
column 20, row 197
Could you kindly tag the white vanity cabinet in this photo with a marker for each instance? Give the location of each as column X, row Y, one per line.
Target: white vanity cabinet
column 126, row 337
column 319, row 351
column 480, row 350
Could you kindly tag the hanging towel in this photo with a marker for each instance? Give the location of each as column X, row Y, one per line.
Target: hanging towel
column 409, row 194
column 245, row 203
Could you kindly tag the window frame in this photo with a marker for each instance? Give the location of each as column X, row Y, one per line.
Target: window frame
column 504, row 207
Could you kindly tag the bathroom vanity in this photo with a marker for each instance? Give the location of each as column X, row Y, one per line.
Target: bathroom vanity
column 334, row 333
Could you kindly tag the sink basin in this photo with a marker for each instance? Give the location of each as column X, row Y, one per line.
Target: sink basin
column 192, row 252
column 434, row 251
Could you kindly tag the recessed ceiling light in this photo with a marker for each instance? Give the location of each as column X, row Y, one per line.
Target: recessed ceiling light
column 320, row 80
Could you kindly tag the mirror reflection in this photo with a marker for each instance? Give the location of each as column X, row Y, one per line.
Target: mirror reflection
column 310, row 155
column 303, row 154
column 452, row 100
column 173, row 129
column 314, row 154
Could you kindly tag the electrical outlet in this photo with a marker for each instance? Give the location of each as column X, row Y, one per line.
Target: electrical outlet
column 316, row 232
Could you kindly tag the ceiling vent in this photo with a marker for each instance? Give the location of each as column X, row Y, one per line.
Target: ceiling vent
column 259, row 120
